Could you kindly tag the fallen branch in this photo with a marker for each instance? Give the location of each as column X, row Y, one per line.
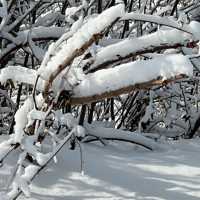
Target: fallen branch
column 117, row 139
column 127, row 136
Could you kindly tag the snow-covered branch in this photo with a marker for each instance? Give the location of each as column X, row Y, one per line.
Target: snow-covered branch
column 90, row 32
column 130, row 76
column 155, row 19
column 128, row 48
column 4, row 14
column 37, row 34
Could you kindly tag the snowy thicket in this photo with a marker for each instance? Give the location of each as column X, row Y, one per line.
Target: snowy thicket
column 84, row 71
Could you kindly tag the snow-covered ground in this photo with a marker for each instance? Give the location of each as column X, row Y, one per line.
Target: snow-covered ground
column 118, row 171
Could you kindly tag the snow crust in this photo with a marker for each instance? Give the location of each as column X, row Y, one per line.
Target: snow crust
column 117, row 172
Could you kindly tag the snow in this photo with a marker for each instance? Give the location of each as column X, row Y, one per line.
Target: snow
column 42, row 158
column 43, row 32
column 136, row 45
column 21, row 119
column 19, row 183
column 21, row 116
column 112, row 170
column 195, row 29
column 22, row 180
column 28, row 146
column 47, row 19
column 37, row 51
column 155, row 19
column 83, row 35
column 4, row 14
column 117, row 172
column 80, row 131
column 5, row 147
column 163, row 10
column 29, row 172
column 37, row 33
column 71, row 11
column 68, row 120
column 111, row 133
column 36, row 114
column 18, row 74
column 21, row 17
column 132, row 73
